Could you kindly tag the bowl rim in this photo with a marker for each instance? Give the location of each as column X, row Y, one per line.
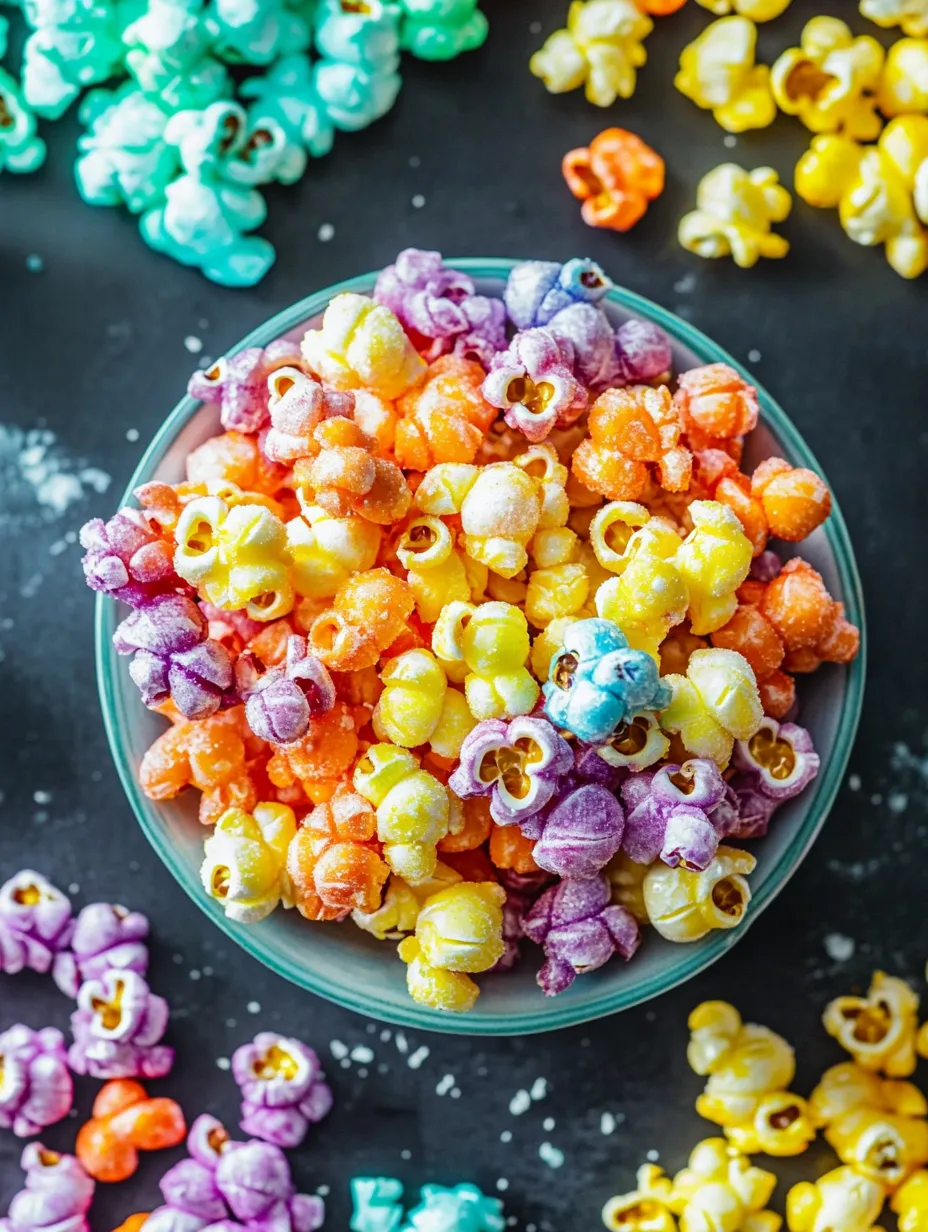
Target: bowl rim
column 551, row 1014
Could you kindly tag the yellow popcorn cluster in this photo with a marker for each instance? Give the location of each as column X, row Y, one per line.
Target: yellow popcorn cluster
column 875, row 1122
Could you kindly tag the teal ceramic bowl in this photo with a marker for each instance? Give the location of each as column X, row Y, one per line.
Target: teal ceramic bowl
column 347, row 966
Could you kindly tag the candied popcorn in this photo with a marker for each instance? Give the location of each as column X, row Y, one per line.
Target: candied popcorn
column 721, row 1188
column 830, row 81
column 735, row 210
column 362, row 345
column 489, row 643
column 910, row 15
column 839, row 1201
column 616, row 177
column 600, row 49
column 444, row 418
column 717, row 71
column 714, row 704
column 685, row 906
column 458, row 931
column 244, row 861
column 879, row 1030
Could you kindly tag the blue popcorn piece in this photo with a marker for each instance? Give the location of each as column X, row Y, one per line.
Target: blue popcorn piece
column 377, row 1203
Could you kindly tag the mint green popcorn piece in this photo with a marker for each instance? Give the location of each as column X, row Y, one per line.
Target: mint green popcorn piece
column 21, row 150
column 287, row 96
column 377, row 1203
column 461, row 1209
column 442, row 29
column 124, row 159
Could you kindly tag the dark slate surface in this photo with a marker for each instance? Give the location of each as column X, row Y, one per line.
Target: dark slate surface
column 93, row 351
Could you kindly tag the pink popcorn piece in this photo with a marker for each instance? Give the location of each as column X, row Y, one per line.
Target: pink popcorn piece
column 581, row 833
column 534, row 384
column 780, row 756
column 127, row 559
column 118, row 1026
column 642, row 353
column 518, row 765
column 580, row 929
column 280, row 704
column 297, row 404
column 521, row 891
column 35, row 923
column 440, row 308
column 173, row 658
column 253, row 1178
column 766, row 566
column 35, row 1083
column 237, row 384
column 668, row 814
column 283, row 1088
column 753, row 810
column 56, row 1197
column 106, row 937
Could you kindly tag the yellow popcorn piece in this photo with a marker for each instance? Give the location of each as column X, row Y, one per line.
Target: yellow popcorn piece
column 437, row 570
column 362, row 345
column 910, row 1203
column 713, row 561
column 875, row 1125
column 684, row 905
column 648, row 599
column 749, row 1069
column 757, row 10
column 236, row 557
column 556, row 591
column 718, row 73
column 873, row 194
column 490, row 643
column 548, row 643
column 722, row 1191
column 626, row 879
column 713, row 704
column 397, row 914
column 646, row 1208
column 459, row 930
column 413, row 812
column 904, row 84
column 600, row 48
column 910, row 15
column 905, row 144
column 735, row 210
column 878, row 1030
column 839, row 1201
column 326, row 551
column 636, row 743
column 830, row 81
column 245, row 861
column 417, row 707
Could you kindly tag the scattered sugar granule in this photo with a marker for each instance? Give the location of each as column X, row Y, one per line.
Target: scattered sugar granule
column 253, row 1007
column 455, row 1092
column 38, row 481
column 686, row 284
column 193, row 344
column 362, row 1054
column 502, row 1184
column 607, row 1123
column 897, row 802
column 386, row 1035
column 325, row 232
column 223, row 1063
column 74, row 888
column 323, row 1191
column 551, row 1155
column 345, row 1062
column 207, row 971
column 853, row 782
column 415, row 161
column 754, row 355
column 416, row 1059
column 539, row 1088
column 194, row 974
column 42, row 797
column 506, row 1135
column 132, row 434
column 231, row 1023
column 653, row 1156
column 34, row 263
column 520, row 1102
column 445, row 1084
column 730, row 141
column 177, row 959
column 534, row 27
column 338, row 1050
column 418, row 201
column 838, row 947
column 548, row 1124
column 876, row 798
column 406, row 1154
column 402, row 1044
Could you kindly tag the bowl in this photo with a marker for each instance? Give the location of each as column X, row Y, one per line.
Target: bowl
column 348, row 966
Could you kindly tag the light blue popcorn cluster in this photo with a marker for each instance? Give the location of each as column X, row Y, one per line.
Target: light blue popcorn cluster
column 378, row 1207
column 171, row 144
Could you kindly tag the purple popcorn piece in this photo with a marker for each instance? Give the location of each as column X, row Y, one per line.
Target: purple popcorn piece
column 766, row 566
column 781, row 756
column 521, row 891
column 206, row 1140
column 189, row 1188
column 56, row 1197
column 283, row 1088
column 590, row 767
column 35, row 923
column 127, row 559
column 106, row 937
column 280, row 704
column 532, row 381
column 642, row 353
column 442, row 306
column 667, row 814
column 35, row 1087
column 580, row 929
column 253, row 1177
column 754, row 809
column 174, row 658
column 581, row 833
column 237, row 384
column 117, row 1028
column 517, row 764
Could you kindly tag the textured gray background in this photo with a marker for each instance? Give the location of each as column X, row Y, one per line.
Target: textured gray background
column 93, row 347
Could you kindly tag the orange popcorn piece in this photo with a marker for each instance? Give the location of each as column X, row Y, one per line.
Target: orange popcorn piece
column 615, row 177
column 629, row 429
column 134, row 1223
column 347, row 476
column 676, row 648
column 477, row 822
column 795, row 500
column 370, row 612
column 446, row 417
column 326, row 752
column 235, row 458
column 509, row 848
column 812, row 625
column 752, row 635
column 124, row 1122
column 333, row 859
column 735, row 492
column 714, row 402
column 209, row 754
column 660, row 8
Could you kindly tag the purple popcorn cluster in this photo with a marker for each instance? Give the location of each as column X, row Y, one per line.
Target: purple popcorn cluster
column 533, row 383
column 283, row 1088
column 56, row 1196
column 442, row 305
column 35, row 924
column 126, row 558
column 238, row 384
column 36, row 1088
column 280, row 703
column 118, row 1027
column 231, row 1185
